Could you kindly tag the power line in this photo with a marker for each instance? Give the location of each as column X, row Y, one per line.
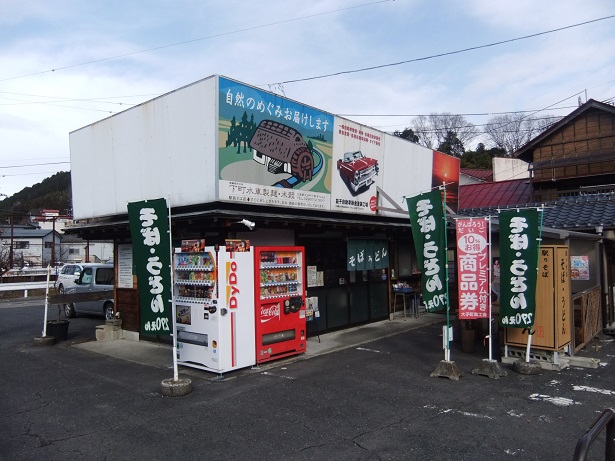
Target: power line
column 285, row 21
column 34, row 164
column 470, row 114
column 449, row 53
column 31, row 174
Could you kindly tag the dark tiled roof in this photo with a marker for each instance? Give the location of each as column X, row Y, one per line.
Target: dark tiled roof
column 572, row 213
column 492, row 194
column 483, row 175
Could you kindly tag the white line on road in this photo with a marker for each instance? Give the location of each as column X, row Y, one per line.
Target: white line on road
column 593, row 389
column 370, row 350
column 559, row 401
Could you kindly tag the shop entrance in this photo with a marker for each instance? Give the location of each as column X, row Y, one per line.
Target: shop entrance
column 345, row 298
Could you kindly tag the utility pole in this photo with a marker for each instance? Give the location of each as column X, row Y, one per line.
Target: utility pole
column 12, row 243
column 53, row 243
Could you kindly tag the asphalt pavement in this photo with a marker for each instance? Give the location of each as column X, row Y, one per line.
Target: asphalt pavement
column 359, row 394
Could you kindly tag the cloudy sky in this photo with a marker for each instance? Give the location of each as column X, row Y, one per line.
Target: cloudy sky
column 68, row 63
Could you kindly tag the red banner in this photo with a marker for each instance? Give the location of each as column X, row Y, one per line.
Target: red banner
column 473, row 268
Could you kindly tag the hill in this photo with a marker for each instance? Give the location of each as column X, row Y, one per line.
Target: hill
column 53, row 193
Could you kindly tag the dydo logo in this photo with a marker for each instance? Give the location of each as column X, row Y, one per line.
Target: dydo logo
column 270, row 312
column 232, row 288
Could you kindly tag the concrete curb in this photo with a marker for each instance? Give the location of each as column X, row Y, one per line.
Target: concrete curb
column 527, row 368
column 44, row 340
column 171, row 388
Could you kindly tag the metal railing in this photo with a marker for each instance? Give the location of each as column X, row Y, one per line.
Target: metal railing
column 606, row 420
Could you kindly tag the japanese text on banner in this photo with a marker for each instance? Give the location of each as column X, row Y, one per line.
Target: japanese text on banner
column 149, row 230
column 426, row 217
column 473, row 268
column 519, row 231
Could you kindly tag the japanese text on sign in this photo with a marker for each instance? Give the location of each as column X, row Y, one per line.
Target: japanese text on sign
column 428, row 230
column 519, row 264
column 151, row 239
column 238, row 99
column 151, row 242
column 473, row 268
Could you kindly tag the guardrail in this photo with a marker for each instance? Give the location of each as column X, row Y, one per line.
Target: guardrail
column 23, row 287
column 606, row 420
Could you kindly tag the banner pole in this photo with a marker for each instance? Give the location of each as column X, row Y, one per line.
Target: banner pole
column 529, row 331
column 447, row 350
column 173, row 307
column 46, row 301
column 489, row 297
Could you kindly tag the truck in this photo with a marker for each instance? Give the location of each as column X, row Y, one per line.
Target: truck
column 357, row 171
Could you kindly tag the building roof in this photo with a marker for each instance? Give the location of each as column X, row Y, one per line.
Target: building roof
column 20, row 232
column 476, row 173
column 585, row 213
column 526, row 152
column 493, row 194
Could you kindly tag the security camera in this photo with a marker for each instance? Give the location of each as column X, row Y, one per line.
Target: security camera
column 249, row 224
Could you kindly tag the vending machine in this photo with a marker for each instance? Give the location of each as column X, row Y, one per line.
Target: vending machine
column 214, row 302
column 279, row 302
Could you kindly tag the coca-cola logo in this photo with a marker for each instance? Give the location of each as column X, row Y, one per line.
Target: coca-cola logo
column 270, row 312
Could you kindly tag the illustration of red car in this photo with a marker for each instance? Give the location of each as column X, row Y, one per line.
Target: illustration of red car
column 357, row 171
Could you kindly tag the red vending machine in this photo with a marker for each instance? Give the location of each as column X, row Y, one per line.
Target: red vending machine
column 279, row 302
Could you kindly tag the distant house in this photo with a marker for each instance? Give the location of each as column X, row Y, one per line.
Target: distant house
column 42, row 241
column 574, row 157
column 571, row 169
column 32, row 246
column 73, row 249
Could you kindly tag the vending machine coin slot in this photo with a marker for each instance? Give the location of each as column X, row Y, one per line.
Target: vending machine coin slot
column 189, row 337
column 278, row 337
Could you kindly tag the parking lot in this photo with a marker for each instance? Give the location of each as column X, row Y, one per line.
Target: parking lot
column 370, row 401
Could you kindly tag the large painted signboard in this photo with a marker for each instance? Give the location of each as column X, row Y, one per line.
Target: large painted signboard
column 223, row 140
column 358, row 156
column 272, row 151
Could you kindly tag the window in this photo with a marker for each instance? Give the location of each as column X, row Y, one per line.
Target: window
column 105, row 276
column 23, row 245
column 48, row 244
column 74, row 251
column 86, row 277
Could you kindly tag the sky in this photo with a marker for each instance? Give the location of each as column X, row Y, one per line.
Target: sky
column 65, row 64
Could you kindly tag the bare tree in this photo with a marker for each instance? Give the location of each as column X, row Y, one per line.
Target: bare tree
column 511, row 131
column 422, row 128
column 434, row 129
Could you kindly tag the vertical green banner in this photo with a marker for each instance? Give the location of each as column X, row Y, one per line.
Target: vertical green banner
column 519, row 232
column 149, row 228
column 427, row 220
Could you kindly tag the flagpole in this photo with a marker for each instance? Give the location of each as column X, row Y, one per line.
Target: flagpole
column 529, row 331
column 490, row 367
column 447, row 350
column 173, row 307
column 437, row 244
column 489, row 297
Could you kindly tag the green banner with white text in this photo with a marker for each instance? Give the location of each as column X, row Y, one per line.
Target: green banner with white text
column 149, row 228
column 519, row 233
column 428, row 230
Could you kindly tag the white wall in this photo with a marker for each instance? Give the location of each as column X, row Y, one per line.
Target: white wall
column 505, row 169
column 163, row 148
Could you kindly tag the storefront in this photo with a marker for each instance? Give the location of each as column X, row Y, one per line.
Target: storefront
column 220, row 152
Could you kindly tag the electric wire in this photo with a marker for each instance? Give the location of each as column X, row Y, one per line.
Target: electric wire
column 439, row 55
column 185, row 42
